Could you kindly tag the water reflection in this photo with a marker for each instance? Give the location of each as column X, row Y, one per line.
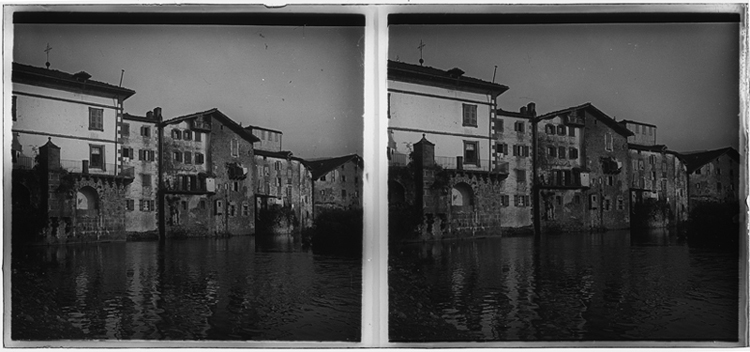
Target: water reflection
column 212, row 289
column 583, row 286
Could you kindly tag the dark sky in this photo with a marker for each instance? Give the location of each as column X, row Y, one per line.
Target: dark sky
column 305, row 81
column 682, row 77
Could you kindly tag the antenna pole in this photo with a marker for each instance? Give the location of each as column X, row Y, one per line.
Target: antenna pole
column 493, row 74
column 123, row 73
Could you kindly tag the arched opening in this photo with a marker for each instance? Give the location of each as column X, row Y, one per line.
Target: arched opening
column 396, row 193
column 462, row 197
column 87, row 201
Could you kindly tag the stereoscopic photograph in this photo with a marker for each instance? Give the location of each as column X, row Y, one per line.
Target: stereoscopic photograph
column 184, row 175
column 565, row 178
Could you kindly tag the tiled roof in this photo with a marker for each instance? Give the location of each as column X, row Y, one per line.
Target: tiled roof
column 284, row 154
column 652, row 148
column 695, row 160
column 66, row 81
column 600, row 115
column 451, row 79
column 215, row 113
column 321, row 167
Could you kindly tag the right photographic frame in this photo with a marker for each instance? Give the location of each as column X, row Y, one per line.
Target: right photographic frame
column 559, row 178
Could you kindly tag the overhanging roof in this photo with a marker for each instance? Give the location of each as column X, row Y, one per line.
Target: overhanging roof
column 78, row 82
column 450, row 79
column 598, row 114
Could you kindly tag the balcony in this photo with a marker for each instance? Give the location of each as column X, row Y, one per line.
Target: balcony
column 24, row 162
column 83, row 167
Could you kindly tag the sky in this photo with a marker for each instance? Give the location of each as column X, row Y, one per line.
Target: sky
column 305, row 81
column 681, row 77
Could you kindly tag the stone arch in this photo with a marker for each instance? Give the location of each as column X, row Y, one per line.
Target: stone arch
column 87, row 201
column 396, row 193
column 462, row 196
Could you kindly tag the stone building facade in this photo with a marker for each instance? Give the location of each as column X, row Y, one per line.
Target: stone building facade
column 270, row 139
column 284, row 181
column 713, row 176
column 68, row 185
column 207, row 187
column 337, row 182
column 658, row 185
column 581, row 171
column 514, row 151
column 140, row 151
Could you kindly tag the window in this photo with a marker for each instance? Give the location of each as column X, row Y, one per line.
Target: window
column 637, row 128
column 608, row 142
column 234, row 145
column 620, row 203
column 127, row 153
column 147, row 155
column 177, row 156
column 577, row 199
column 561, row 130
column 236, row 186
column 525, row 151
column 698, row 170
column 232, row 209
column 145, row 131
column 184, row 205
column 499, row 126
column 640, row 164
column 571, row 131
column 323, row 178
column 130, row 204
column 552, row 151
column 96, row 119
column 245, row 209
column 718, row 186
column 96, row 156
column 146, row 180
column 549, row 129
column 146, row 205
column 343, row 194
column 607, row 203
column 651, row 131
column 501, row 148
column 203, row 204
column 198, row 136
column 521, row 176
column 188, row 158
column 644, row 130
column 652, row 159
column 572, row 153
column 521, row 200
column 469, row 115
column 262, row 134
column 277, row 165
column 653, row 175
column 593, row 201
column 718, row 171
column 219, row 207
column 343, row 178
column 198, row 158
column 610, row 180
column 176, row 134
column 561, row 152
column 519, row 126
column 125, row 129
column 505, row 200
column 471, row 153
column 187, row 135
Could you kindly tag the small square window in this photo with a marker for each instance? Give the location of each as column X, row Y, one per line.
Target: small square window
column 145, row 131
column 187, row 135
column 188, row 158
column 176, row 134
column 125, row 129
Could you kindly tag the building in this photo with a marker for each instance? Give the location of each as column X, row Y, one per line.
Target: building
column 441, row 149
column 713, row 176
column 514, row 147
column 140, row 151
column 337, row 182
column 581, row 170
column 270, row 140
column 658, row 180
column 283, row 180
column 206, row 186
column 67, row 169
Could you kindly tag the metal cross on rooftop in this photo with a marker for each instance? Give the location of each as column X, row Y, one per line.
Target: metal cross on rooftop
column 47, row 50
column 421, row 45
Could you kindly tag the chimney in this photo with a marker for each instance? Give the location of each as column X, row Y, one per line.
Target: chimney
column 157, row 113
column 523, row 110
column 149, row 115
column 531, row 108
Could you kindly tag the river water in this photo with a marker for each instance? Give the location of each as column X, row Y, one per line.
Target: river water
column 579, row 286
column 197, row 289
